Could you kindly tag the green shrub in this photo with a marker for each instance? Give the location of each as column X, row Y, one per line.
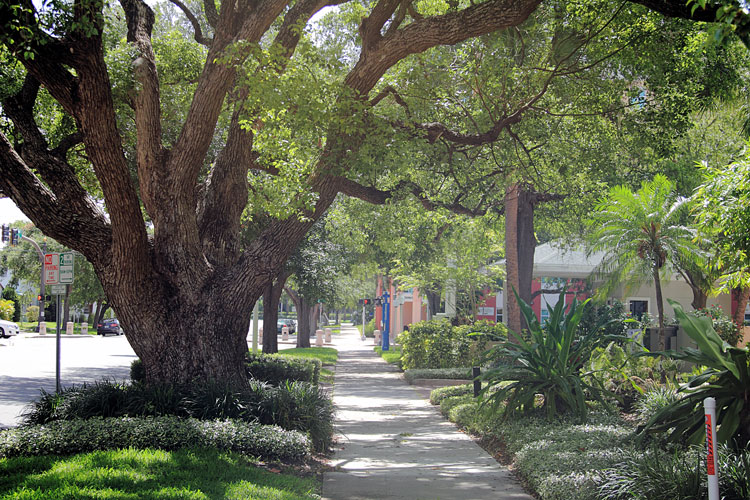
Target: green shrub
column 137, row 372
column 437, row 344
column 438, row 373
column 439, row 394
column 627, row 376
column 654, row 475
column 560, row 459
column 7, row 309
column 276, row 369
column 301, row 406
column 655, row 400
column 722, row 324
column 450, row 402
column 78, row 436
column 32, row 313
column 9, row 293
column 464, row 414
column 728, row 371
column 548, row 364
column 292, row 405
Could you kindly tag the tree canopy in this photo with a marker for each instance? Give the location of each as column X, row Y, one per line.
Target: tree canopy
column 187, row 170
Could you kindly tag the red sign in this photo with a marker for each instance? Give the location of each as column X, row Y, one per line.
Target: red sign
column 710, row 445
column 51, row 268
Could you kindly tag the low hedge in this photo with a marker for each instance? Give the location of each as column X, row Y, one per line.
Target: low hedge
column 438, row 395
column 438, row 373
column 293, row 405
column 65, row 437
column 275, row 369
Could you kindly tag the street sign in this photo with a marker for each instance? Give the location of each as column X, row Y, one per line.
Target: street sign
column 51, row 268
column 57, row 289
column 66, row 268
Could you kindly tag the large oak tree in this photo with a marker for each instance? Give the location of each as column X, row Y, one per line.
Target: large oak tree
column 169, row 249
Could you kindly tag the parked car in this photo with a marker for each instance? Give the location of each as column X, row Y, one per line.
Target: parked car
column 109, row 326
column 285, row 322
column 8, row 329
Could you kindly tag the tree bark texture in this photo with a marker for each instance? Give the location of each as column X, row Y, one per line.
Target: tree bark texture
column 184, row 290
column 271, row 300
column 520, row 244
column 659, row 307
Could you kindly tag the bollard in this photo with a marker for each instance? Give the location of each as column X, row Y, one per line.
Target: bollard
column 477, row 382
column 319, row 338
column 328, row 335
column 709, row 405
column 42, row 328
column 84, row 328
column 377, row 337
column 284, row 333
column 69, row 328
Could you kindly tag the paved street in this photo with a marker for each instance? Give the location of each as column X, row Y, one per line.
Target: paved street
column 27, row 364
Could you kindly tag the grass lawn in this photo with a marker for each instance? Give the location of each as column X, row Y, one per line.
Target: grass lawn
column 29, row 326
column 392, row 355
column 148, row 474
column 327, row 355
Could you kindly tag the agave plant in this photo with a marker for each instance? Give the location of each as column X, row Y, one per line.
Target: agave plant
column 726, row 379
column 548, row 362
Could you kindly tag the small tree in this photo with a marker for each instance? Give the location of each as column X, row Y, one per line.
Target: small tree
column 640, row 234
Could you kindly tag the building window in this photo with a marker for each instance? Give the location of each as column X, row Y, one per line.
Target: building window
column 638, row 308
column 544, row 316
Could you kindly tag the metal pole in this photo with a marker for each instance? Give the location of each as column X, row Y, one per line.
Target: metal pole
column 386, row 321
column 712, row 469
column 255, row 326
column 57, row 370
column 477, row 382
column 363, row 319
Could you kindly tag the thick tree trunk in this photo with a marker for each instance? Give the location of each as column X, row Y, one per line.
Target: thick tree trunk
column 271, row 300
column 520, row 244
column 305, row 323
column 699, row 298
column 433, row 301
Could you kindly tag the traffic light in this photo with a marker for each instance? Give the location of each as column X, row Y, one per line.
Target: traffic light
column 6, row 233
column 367, row 302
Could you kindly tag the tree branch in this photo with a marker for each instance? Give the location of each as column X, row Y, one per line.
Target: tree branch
column 682, row 9
column 379, row 52
column 209, row 7
column 146, row 104
column 73, row 221
column 197, row 32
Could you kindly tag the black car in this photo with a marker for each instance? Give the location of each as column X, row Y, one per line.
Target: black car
column 111, row 326
column 285, row 322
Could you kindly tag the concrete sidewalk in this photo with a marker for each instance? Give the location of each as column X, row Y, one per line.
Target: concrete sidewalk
column 394, row 445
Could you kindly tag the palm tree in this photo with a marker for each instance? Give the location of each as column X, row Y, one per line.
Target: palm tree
column 641, row 236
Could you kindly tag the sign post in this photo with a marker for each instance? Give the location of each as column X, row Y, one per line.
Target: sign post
column 58, row 273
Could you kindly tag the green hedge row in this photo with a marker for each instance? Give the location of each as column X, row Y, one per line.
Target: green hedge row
column 438, row 344
column 65, row 437
column 275, row 369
